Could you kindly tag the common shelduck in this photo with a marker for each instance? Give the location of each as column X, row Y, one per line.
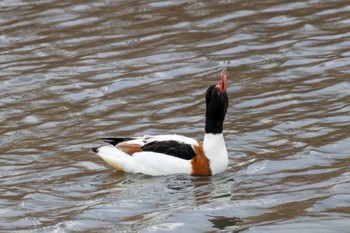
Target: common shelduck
column 176, row 154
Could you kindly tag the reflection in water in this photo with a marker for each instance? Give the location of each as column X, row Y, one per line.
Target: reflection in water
column 74, row 71
column 223, row 223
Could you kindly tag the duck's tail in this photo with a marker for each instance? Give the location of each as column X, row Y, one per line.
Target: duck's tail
column 116, row 158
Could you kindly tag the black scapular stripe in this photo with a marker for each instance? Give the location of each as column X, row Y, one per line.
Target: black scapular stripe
column 171, row 147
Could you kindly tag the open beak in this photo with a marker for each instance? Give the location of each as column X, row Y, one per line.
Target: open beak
column 222, row 85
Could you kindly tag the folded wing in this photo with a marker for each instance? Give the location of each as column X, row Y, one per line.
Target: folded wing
column 172, row 145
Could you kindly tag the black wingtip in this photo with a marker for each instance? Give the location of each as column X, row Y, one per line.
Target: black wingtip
column 114, row 141
column 95, row 149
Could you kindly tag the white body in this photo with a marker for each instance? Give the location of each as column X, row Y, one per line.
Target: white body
column 156, row 164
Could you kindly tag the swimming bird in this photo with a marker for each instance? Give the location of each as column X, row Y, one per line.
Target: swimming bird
column 176, row 154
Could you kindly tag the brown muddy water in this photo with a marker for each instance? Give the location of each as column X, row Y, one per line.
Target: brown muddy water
column 73, row 71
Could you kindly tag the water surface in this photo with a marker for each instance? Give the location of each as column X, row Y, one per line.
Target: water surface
column 73, row 71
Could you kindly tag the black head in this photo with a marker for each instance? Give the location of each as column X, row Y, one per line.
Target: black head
column 217, row 103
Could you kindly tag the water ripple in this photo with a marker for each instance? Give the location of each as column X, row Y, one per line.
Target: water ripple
column 75, row 71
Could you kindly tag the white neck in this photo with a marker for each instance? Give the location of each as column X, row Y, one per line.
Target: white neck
column 215, row 150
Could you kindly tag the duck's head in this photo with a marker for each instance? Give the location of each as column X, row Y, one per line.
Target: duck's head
column 217, row 103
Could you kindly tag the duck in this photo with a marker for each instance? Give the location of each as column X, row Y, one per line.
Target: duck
column 161, row 155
